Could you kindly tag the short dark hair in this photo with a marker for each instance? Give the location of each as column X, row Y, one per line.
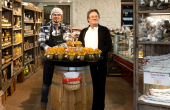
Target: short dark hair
column 92, row 10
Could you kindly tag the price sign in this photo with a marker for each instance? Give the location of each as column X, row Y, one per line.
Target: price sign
column 156, row 78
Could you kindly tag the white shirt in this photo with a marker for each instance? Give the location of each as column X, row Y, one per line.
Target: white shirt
column 91, row 38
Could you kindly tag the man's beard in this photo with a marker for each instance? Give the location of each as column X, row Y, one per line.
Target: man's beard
column 56, row 21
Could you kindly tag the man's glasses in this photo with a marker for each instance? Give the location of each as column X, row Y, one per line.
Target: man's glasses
column 56, row 14
column 94, row 16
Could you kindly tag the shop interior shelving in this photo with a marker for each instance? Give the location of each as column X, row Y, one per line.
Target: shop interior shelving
column 8, row 44
column 149, row 48
column 11, row 23
column 33, row 22
column 127, row 15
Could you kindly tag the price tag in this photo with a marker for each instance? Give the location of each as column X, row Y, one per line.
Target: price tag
column 156, row 78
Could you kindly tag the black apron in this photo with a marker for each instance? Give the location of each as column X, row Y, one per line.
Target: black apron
column 49, row 65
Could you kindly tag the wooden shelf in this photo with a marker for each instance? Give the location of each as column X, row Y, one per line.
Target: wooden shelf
column 18, row 72
column 38, row 22
column 17, row 0
column 155, row 12
column 5, row 8
column 17, row 57
column 28, row 48
column 29, row 74
column 6, row 46
column 17, row 43
column 28, row 22
column 17, row 29
column 38, row 10
column 8, row 83
column 153, row 104
column 7, row 27
column 17, row 15
column 160, row 43
column 6, row 65
column 28, row 8
column 28, row 62
column 36, row 34
column 36, row 45
column 29, row 35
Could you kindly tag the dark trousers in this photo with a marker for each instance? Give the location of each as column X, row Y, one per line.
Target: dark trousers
column 98, row 73
column 47, row 80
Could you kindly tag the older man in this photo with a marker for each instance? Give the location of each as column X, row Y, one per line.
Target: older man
column 51, row 34
column 97, row 36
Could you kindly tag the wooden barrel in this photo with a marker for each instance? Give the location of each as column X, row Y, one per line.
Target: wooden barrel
column 80, row 99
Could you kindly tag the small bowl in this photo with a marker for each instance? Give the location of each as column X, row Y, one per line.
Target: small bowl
column 50, row 56
column 60, row 56
column 71, row 57
column 97, row 56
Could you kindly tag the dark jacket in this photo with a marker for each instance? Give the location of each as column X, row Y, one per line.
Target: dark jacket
column 104, row 40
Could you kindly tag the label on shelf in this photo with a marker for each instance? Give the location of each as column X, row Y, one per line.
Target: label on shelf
column 156, row 78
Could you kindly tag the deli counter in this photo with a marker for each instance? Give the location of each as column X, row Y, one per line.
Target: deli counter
column 123, row 55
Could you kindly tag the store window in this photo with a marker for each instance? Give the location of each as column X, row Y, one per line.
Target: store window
column 66, row 13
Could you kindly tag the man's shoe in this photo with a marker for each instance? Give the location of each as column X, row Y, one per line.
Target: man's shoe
column 43, row 107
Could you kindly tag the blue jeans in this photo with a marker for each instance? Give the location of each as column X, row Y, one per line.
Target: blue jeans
column 44, row 94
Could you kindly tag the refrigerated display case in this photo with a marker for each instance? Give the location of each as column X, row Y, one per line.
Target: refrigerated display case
column 123, row 55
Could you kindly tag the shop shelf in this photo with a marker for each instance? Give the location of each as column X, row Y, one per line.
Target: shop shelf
column 28, row 48
column 28, row 62
column 17, row 0
column 17, row 29
column 17, row 43
column 28, row 8
column 29, row 35
column 6, row 65
column 36, row 45
column 153, row 104
column 28, row 75
column 39, row 22
column 38, row 10
column 6, row 46
column 148, row 42
column 7, row 84
column 155, row 12
column 17, row 15
column 7, row 27
column 28, row 22
column 5, row 8
column 18, row 72
column 17, row 57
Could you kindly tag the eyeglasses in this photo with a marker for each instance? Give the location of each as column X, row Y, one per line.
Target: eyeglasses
column 94, row 16
column 56, row 14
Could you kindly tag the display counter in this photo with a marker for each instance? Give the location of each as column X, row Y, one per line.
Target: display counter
column 123, row 56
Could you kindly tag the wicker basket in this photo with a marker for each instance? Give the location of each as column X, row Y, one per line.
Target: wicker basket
column 72, row 85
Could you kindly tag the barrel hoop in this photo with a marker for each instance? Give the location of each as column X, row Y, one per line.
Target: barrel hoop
column 72, row 68
column 54, row 109
column 61, row 85
column 80, row 72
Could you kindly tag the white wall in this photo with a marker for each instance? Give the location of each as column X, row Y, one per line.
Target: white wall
column 110, row 12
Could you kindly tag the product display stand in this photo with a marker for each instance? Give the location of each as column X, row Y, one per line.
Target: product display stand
column 152, row 54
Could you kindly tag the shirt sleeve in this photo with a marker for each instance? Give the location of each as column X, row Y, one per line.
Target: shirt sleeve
column 42, row 39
